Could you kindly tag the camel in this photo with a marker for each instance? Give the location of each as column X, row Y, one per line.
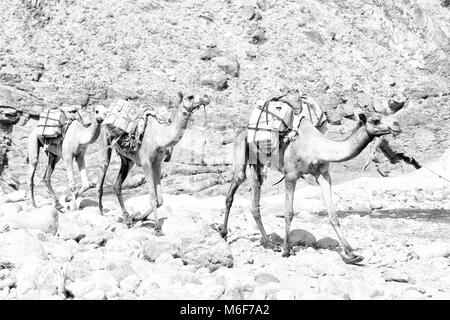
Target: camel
column 73, row 145
column 310, row 153
column 157, row 139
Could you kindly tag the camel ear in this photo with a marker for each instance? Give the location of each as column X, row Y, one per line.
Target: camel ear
column 362, row 117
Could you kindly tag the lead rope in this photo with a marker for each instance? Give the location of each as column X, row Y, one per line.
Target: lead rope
column 423, row 166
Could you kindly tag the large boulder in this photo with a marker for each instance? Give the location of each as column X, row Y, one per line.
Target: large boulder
column 44, row 219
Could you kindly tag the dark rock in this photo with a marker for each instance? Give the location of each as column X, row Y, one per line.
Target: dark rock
column 333, row 117
column 229, row 66
column 327, row 243
column 300, row 237
column 347, row 110
column 276, row 239
column 210, row 53
column 262, row 4
column 218, row 81
column 258, row 36
column 364, row 100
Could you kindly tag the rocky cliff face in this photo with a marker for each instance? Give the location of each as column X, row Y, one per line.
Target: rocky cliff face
column 347, row 54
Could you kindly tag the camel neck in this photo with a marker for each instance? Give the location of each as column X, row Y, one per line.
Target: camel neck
column 339, row 151
column 176, row 128
column 88, row 135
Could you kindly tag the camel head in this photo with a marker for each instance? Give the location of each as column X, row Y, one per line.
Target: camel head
column 99, row 112
column 192, row 102
column 378, row 125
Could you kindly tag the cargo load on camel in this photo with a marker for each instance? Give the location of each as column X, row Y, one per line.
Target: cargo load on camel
column 279, row 118
column 51, row 123
column 127, row 125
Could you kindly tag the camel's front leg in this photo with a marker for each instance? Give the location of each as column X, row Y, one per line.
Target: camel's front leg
column 105, row 159
column 52, row 160
column 288, row 214
column 150, row 177
column 68, row 160
column 324, row 181
column 33, row 160
column 126, row 165
column 157, row 180
column 255, row 182
column 85, row 184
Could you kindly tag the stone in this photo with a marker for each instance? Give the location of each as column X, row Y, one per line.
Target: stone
column 153, row 248
column 264, row 278
column 80, row 287
column 327, row 243
column 104, row 280
column 96, row 294
column 300, row 237
column 397, row 276
column 10, row 208
column 228, row 65
column 13, row 196
column 375, row 204
column 44, row 219
column 130, row 283
column 262, row 4
column 20, row 247
column 210, row 252
column 248, row 12
column 285, row 294
column 218, row 81
column 276, row 239
column 210, row 53
column 437, row 249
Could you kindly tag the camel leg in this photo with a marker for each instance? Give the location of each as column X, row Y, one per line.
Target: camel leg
column 157, row 180
column 72, row 187
column 52, row 160
column 255, row 182
column 125, row 166
column 237, row 180
column 105, row 151
column 324, row 181
column 150, row 177
column 289, row 214
column 85, row 184
column 33, row 160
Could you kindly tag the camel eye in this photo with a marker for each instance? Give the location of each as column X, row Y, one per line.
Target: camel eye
column 375, row 121
column 96, row 111
column 190, row 97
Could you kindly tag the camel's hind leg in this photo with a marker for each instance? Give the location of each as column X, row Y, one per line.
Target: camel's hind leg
column 237, row 180
column 239, row 163
column 324, row 181
column 34, row 147
column 52, row 160
column 125, row 166
column 288, row 214
column 105, row 153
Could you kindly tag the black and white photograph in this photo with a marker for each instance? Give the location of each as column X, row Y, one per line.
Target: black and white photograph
column 224, row 150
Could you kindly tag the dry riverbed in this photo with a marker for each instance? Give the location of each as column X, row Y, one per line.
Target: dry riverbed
column 400, row 225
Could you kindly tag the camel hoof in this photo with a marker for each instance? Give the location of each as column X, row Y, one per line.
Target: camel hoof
column 222, row 231
column 286, row 254
column 58, row 206
column 352, row 258
column 126, row 219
